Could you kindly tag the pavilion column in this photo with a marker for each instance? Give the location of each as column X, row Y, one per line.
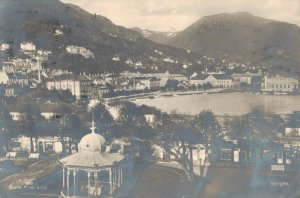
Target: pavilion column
column 68, row 181
column 44, row 146
column 74, row 183
column 63, row 177
column 89, row 182
column 116, row 178
column 95, row 176
column 113, row 178
column 119, row 177
column 110, row 182
column 77, row 180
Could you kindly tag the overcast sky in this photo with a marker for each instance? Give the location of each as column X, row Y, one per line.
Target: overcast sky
column 175, row 15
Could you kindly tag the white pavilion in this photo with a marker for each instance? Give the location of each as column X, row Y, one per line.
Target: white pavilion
column 91, row 172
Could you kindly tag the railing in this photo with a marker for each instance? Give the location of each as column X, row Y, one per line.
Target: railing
column 86, row 190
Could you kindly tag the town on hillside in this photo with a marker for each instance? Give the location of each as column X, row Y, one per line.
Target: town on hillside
column 28, row 70
column 64, row 119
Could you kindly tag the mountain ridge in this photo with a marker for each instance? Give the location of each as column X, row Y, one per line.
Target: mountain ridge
column 243, row 37
column 116, row 48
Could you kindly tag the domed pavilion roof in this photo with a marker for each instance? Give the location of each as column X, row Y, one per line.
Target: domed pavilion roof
column 91, row 153
column 92, row 142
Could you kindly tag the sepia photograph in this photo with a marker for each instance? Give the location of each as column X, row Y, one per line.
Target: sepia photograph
column 149, row 99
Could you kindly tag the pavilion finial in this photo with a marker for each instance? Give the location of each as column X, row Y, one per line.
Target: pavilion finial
column 93, row 127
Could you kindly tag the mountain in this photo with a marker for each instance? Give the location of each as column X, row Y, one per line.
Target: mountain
column 53, row 25
column 156, row 36
column 242, row 37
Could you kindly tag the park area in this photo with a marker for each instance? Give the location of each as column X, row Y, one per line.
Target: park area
column 43, row 178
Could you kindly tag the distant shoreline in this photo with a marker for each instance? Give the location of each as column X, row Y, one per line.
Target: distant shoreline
column 159, row 94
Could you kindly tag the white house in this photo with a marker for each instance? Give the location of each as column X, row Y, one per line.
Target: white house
column 292, row 130
column 49, row 111
column 4, row 78
column 16, row 115
column 150, row 118
column 16, row 112
column 27, row 46
column 41, row 144
column 5, row 46
column 9, row 92
column 71, row 49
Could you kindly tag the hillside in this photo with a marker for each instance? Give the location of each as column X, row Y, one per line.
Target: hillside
column 243, row 37
column 52, row 25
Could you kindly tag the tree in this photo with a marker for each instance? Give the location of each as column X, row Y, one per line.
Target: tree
column 226, row 123
column 208, row 126
column 32, row 116
column 131, row 115
column 69, row 127
column 259, row 124
column 172, row 84
column 207, row 86
column 102, row 118
column 179, row 143
column 294, row 119
column 241, row 130
column 277, row 124
column 7, row 127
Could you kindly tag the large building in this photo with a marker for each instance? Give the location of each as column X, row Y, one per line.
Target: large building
column 146, row 82
column 216, row 80
column 279, row 84
column 163, row 77
column 79, row 86
column 249, row 80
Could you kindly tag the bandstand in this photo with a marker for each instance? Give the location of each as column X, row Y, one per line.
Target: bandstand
column 91, row 172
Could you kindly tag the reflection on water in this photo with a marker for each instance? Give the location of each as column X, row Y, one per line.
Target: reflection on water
column 225, row 103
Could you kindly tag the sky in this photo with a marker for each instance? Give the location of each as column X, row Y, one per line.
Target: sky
column 175, row 15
